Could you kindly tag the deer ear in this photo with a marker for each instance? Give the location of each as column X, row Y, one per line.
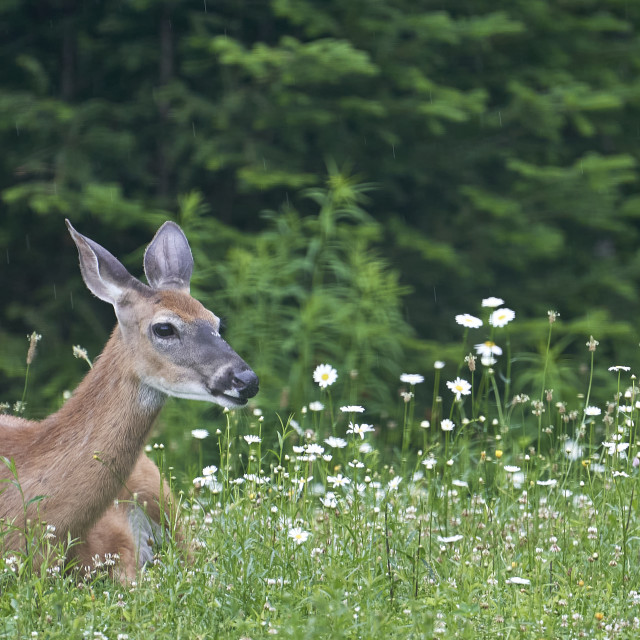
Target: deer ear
column 104, row 275
column 168, row 263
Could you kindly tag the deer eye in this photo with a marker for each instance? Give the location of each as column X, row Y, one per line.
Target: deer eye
column 163, row 330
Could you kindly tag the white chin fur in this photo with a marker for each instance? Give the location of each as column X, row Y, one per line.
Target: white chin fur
column 222, row 399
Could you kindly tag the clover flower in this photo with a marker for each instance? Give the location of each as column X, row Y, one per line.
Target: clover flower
column 325, row 375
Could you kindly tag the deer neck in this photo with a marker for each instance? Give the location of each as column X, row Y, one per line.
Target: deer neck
column 100, row 432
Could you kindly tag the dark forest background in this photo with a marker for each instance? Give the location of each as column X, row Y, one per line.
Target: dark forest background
column 351, row 175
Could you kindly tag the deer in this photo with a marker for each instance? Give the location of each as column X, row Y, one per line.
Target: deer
column 82, row 471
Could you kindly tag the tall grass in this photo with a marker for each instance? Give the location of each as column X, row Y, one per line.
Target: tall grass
column 519, row 521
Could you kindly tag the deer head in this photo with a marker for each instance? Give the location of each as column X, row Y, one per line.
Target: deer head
column 173, row 342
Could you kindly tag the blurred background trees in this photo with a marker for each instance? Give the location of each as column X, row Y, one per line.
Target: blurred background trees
column 350, row 174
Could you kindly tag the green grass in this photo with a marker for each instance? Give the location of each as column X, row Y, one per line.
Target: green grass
column 518, row 523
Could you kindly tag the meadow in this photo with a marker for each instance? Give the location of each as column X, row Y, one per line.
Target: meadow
column 497, row 516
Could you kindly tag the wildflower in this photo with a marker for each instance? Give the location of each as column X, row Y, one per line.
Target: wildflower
column 501, row 317
column 498, row 453
column 336, row 443
column 592, row 344
column 438, row 364
column 251, row 439
column 298, row 534
column 430, row 463
column 573, row 450
column 511, row 468
column 316, row 406
column 352, row 408
column 460, row 387
column 329, row 500
column 447, row 425
column 518, row 580
column 470, row 360
column 33, row 339
column 488, row 349
column 210, row 470
column 393, row 483
column 365, row 448
column 338, row 481
column 450, row 539
column 553, row 316
column 359, row 429
column 614, row 447
column 199, row 434
column 618, row 367
column 592, row 411
column 552, row 482
column 411, row 378
column 325, row 375
column 492, row 302
column 467, row 320
column 425, row 424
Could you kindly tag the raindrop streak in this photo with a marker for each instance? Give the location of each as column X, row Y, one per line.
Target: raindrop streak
column 55, row 293
column 393, row 147
column 205, row 6
column 71, row 298
column 7, row 256
column 500, row 117
column 28, row 243
column 193, row 126
column 435, row 296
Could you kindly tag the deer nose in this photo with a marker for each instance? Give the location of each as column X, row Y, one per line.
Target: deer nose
column 246, row 383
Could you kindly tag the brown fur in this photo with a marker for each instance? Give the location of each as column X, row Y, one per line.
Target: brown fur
column 72, row 465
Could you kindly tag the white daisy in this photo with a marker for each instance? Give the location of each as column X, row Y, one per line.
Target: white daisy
column 447, row 425
column 411, row 378
column 316, row 406
column 251, row 439
column 460, row 387
column 467, row 320
column 450, row 539
column 338, row 481
column 200, row 434
column 492, row 302
column 394, row 482
column 619, row 368
column 325, row 375
column 511, row 468
column 352, row 408
column 488, row 349
column 336, row 443
column 518, row 580
column 359, row 429
column 438, row 364
column 298, row 534
column 592, row 411
column 501, row 317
